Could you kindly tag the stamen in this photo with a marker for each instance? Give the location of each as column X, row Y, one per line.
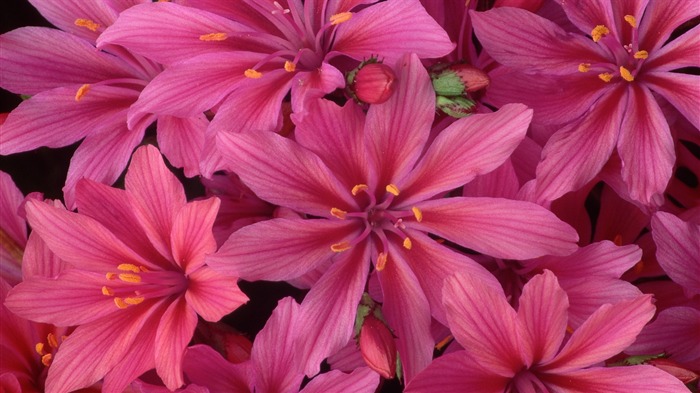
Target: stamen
column 87, row 23
column 51, row 339
column 584, row 67
column 134, row 300
column 598, row 32
column 626, row 74
column 82, row 91
column 120, row 303
column 279, row 9
column 340, row 247
column 417, row 213
column 392, row 189
column 631, row 20
column 129, row 267
column 46, row 359
column 605, row 76
column 289, row 66
column 340, row 18
column 617, row 240
column 252, row 74
column 360, row 187
column 130, row 277
column 335, row 212
column 443, row 343
column 407, row 244
column 39, row 348
column 381, row 261
column 111, row 276
column 213, row 37
column 642, row 54
column 107, row 292
column 569, row 330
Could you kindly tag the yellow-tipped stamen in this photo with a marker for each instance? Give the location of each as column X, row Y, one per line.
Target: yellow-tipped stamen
column 129, row 267
column 87, row 23
column 407, row 243
column 252, row 74
column 39, row 348
column 598, row 32
column 642, row 54
column 626, row 74
column 51, row 339
column 417, row 213
column 111, row 276
column 584, row 67
column 289, row 66
column 134, row 300
column 631, row 20
column 107, row 292
column 340, row 247
column 392, row 189
column 335, row 212
column 46, row 359
column 605, row 76
column 120, row 303
column 143, row 268
column 130, row 277
column 443, row 343
column 213, row 37
column 360, row 187
column 381, row 261
column 82, row 91
column 340, row 18
column 569, row 330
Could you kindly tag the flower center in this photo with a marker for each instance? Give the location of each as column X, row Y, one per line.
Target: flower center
column 627, row 59
column 378, row 218
column 132, row 284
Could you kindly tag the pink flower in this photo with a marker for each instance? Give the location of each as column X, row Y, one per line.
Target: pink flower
column 602, row 94
column 526, row 351
column 13, row 231
column 374, row 187
column 136, row 279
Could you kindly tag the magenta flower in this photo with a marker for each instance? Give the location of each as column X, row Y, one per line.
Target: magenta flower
column 603, row 93
column 371, row 183
column 526, row 351
column 246, row 56
column 136, row 279
column 13, row 231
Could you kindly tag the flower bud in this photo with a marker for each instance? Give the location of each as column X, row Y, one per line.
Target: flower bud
column 378, row 347
column 372, row 82
column 455, row 106
column 677, row 370
column 457, row 79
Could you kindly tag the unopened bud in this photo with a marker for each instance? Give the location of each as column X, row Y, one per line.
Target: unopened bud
column 455, row 106
column 378, row 347
column 372, row 82
column 457, row 79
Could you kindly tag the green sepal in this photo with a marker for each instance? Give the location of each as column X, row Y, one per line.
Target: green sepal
column 447, row 84
column 363, row 309
column 457, row 107
column 636, row 360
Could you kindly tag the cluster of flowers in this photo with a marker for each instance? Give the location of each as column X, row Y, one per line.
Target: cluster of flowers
column 486, row 196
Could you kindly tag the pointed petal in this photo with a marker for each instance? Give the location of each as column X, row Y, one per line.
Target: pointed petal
column 608, row 331
column 136, row 363
column 175, row 331
column 617, row 380
column 484, row 323
column 407, row 312
column 64, row 14
column 39, row 260
column 313, row 85
column 398, row 129
column 678, row 249
column 683, row 51
column 329, row 309
column 467, row 148
column 604, row 259
column 681, row 90
column 361, row 380
column 35, row 59
column 542, row 311
column 279, row 249
column 181, row 140
column 204, row 366
column 523, row 40
column 213, row 295
column 262, row 160
column 450, row 373
column 498, row 227
column 192, row 237
column 672, row 332
column 381, row 30
column 588, row 14
column 587, row 294
column 660, row 21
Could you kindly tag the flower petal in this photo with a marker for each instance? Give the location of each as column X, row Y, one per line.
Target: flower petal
column 678, row 249
column 683, row 51
column 192, row 237
column 660, row 21
column 672, row 332
column 361, row 380
column 206, row 367
column 65, row 14
column 213, row 295
column 174, row 332
column 314, row 84
column 450, row 373
column 587, row 294
column 181, row 140
column 681, row 90
column 616, row 380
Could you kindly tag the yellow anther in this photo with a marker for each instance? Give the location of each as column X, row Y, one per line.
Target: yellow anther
column 631, row 20
column 39, row 348
column 598, row 32
column 605, row 76
column 129, row 267
column 335, row 212
column 417, row 213
column 46, row 359
column 626, row 74
column 340, row 247
column 134, row 300
column 584, row 67
column 407, row 244
column 106, row 291
column 340, row 18
column 130, row 277
column 360, row 187
column 642, row 54
column 392, row 189
column 252, row 74
column 82, row 91
column 569, row 330
column 111, row 276
column 289, row 66
column 51, row 339
column 381, row 261
column 120, row 303
column 213, row 37
column 87, row 23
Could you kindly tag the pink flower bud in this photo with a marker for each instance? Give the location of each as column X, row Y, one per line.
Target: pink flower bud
column 473, row 78
column 378, row 347
column 373, row 83
column 677, row 370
